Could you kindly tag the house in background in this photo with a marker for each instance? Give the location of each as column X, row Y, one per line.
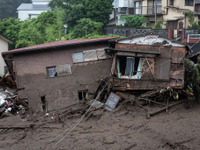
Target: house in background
column 4, row 45
column 61, row 73
column 32, row 10
column 172, row 12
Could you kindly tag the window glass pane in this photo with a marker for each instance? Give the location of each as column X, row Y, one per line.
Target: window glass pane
column 51, row 71
column 78, row 57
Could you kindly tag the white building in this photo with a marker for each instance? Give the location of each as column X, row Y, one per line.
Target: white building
column 4, row 42
column 31, row 10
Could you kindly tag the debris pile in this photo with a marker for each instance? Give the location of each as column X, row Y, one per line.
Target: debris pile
column 10, row 102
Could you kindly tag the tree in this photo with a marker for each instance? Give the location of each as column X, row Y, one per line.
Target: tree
column 47, row 27
column 85, row 27
column 134, row 21
column 8, row 8
column 96, row 10
column 192, row 80
column 191, row 18
column 10, row 28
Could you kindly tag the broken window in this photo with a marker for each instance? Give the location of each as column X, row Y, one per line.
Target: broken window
column 83, row 95
column 59, row 70
column 63, row 70
column 78, row 57
column 51, row 71
column 89, row 55
column 129, row 67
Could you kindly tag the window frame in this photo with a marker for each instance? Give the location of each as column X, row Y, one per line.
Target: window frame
column 188, row 2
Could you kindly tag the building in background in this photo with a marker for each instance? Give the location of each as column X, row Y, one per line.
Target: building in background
column 172, row 12
column 32, row 10
column 4, row 43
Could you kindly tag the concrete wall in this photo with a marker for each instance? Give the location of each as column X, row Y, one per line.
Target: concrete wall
column 3, row 47
column 23, row 15
column 59, row 91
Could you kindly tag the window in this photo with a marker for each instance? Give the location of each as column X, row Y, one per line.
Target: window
column 83, row 95
column 189, row 2
column 51, row 71
column 5, row 69
column 78, row 57
column 129, row 67
column 60, row 70
column 131, row 11
column 171, row 2
column 138, row 9
column 89, row 55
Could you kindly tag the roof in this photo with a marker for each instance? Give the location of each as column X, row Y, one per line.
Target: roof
column 195, row 50
column 148, row 34
column 57, row 44
column 26, row 6
column 5, row 39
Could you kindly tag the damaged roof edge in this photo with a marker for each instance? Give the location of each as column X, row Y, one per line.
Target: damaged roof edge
column 142, row 35
column 57, row 44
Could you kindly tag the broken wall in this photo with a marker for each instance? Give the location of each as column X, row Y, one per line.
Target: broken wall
column 167, row 68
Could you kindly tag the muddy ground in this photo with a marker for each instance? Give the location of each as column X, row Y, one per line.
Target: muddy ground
column 126, row 128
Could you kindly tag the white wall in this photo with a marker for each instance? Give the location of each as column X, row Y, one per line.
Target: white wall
column 3, row 47
column 23, row 15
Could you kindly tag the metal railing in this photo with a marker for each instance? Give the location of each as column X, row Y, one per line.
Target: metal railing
column 192, row 36
column 144, row 10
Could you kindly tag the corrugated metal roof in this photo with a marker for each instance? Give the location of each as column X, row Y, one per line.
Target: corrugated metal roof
column 26, row 6
column 57, row 44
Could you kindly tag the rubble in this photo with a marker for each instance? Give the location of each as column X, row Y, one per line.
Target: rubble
column 10, row 102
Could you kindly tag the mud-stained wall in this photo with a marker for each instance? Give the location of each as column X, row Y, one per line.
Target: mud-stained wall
column 164, row 70
column 59, row 91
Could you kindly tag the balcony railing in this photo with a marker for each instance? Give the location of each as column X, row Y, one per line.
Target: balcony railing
column 144, row 10
column 148, row 10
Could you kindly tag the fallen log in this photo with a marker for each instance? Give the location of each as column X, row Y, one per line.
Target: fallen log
column 164, row 109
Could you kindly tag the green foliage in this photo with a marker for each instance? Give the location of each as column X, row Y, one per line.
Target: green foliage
column 192, row 79
column 8, row 8
column 47, row 27
column 10, row 28
column 85, row 27
column 191, row 18
column 96, row 10
column 194, row 26
column 158, row 24
column 134, row 21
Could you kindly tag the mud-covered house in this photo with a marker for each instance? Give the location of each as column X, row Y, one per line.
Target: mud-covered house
column 59, row 74
column 63, row 73
column 147, row 62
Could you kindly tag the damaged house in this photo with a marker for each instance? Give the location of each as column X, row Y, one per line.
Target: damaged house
column 147, row 62
column 63, row 73
column 59, row 74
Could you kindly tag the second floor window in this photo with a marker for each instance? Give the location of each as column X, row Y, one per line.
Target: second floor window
column 171, row 2
column 189, row 2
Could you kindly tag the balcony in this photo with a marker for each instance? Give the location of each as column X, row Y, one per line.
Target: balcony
column 148, row 10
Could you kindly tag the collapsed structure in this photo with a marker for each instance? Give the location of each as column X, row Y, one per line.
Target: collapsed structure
column 147, row 62
column 63, row 73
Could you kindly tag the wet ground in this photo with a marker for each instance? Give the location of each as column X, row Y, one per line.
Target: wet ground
column 123, row 129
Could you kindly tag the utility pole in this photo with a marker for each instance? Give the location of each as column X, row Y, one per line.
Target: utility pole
column 155, row 11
